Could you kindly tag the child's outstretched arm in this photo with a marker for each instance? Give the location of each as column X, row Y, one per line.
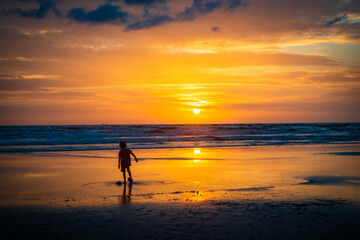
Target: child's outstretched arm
column 134, row 157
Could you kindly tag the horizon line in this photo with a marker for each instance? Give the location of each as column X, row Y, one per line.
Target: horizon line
column 133, row 124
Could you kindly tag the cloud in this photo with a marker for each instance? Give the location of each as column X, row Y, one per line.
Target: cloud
column 142, row 2
column 335, row 20
column 337, row 77
column 215, row 28
column 97, row 46
column 109, row 13
column 113, row 14
column 198, row 7
column 149, row 23
column 103, row 14
column 44, row 8
column 235, row 4
column 291, row 106
column 27, row 84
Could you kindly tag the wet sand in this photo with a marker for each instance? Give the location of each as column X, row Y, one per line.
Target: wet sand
column 277, row 192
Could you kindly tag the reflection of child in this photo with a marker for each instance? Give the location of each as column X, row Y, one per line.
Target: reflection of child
column 125, row 160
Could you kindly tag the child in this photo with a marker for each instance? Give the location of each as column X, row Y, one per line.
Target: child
column 125, row 160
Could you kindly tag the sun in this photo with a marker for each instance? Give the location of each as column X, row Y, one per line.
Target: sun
column 196, row 110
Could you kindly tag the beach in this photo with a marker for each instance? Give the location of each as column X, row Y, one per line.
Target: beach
column 240, row 119
column 254, row 192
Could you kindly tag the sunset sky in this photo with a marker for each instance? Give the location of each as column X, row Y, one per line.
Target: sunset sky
column 155, row 61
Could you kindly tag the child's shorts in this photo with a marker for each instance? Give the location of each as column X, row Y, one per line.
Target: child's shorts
column 124, row 168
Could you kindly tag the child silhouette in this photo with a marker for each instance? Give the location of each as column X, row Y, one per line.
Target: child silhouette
column 125, row 160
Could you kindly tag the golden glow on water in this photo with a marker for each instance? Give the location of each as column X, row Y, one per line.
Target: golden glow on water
column 188, row 175
column 41, row 175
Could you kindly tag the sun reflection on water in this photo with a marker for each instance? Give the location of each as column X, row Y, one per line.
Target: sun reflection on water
column 196, row 156
column 197, row 151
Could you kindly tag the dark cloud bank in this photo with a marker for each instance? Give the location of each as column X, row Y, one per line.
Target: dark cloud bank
column 103, row 14
column 45, row 6
column 112, row 12
column 154, row 12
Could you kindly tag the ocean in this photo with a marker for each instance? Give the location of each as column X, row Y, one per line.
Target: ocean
column 107, row 137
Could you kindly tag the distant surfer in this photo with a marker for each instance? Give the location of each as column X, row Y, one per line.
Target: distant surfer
column 125, row 161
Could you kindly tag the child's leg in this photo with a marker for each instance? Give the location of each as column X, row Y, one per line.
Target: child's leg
column 124, row 175
column 130, row 178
